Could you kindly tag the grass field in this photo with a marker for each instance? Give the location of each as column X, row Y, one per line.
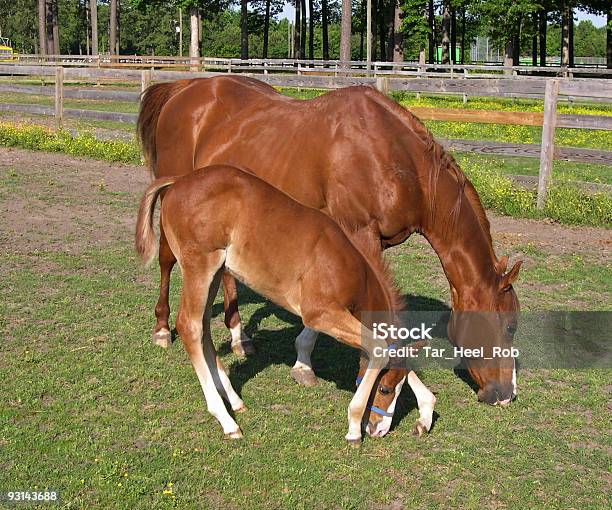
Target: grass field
column 90, row 408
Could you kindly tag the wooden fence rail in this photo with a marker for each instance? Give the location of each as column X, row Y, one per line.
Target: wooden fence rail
column 552, row 89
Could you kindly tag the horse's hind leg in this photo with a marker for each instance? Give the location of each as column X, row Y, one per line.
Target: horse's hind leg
column 195, row 333
column 302, row 371
column 242, row 345
column 161, row 332
column 222, row 381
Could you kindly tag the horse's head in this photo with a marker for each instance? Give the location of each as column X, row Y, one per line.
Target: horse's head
column 469, row 328
column 487, row 319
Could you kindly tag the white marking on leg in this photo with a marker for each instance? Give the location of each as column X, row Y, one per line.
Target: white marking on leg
column 359, row 402
column 514, row 386
column 238, row 334
column 425, row 400
column 304, row 345
column 214, row 402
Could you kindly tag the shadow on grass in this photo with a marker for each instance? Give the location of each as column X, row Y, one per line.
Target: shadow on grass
column 332, row 360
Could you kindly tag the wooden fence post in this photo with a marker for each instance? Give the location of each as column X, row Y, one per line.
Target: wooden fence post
column 145, row 79
column 382, row 84
column 547, row 151
column 59, row 96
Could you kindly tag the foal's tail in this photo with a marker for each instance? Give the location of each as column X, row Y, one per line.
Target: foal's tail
column 146, row 243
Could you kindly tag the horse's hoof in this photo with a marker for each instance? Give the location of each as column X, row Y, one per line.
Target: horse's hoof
column 241, row 409
column 354, row 443
column 243, row 348
column 304, row 377
column 163, row 338
column 234, row 435
column 419, row 429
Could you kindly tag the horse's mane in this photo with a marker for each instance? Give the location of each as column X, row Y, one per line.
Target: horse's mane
column 380, row 267
column 442, row 161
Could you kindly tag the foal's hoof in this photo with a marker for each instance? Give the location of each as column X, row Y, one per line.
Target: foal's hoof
column 241, row 409
column 419, row 429
column 243, row 348
column 234, row 435
column 163, row 338
column 304, row 377
column 354, row 443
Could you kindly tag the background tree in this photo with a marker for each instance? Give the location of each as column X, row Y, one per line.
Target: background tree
column 345, row 31
column 112, row 40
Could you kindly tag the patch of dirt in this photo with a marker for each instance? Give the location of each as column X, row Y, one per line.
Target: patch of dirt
column 65, row 203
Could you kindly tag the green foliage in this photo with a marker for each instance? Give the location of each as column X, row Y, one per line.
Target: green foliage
column 566, row 203
column 43, row 139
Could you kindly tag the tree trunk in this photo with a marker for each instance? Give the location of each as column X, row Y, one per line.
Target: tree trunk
column 93, row 14
column 362, row 24
column 534, row 41
column 431, row 24
column 297, row 45
column 381, row 30
column 87, row 27
column 390, row 30
column 303, row 30
column 463, row 36
column 325, row 35
column 516, row 46
column 445, row 32
column 56, row 39
column 609, row 39
column 398, row 35
column 374, row 30
column 310, row 30
column 509, row 52
column 570, row 37
column 543, row 18
column 42, row 29
column 244, row 29
column 49, row 27
column 453, row 44
column 266, row 30
column 345, row 32
column 112, row 43
column 194, row 47
column 565, row 16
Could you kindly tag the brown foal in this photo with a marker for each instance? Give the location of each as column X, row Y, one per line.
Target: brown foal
column 293, row 255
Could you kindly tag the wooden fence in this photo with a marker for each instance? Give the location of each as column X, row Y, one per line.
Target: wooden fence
column 551, row 89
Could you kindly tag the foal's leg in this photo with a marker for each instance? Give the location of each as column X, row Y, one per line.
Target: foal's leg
column 222, row 382
column 425, row 400
column 194, row 302
column 302, row 371
column 348, row 329
column 161, row 332
column 241, row 344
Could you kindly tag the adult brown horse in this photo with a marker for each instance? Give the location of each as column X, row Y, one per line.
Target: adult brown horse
column 354, row 154
column 321, row 276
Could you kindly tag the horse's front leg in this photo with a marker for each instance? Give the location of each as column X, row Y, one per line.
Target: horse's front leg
column 241, row 344
column 161, row 332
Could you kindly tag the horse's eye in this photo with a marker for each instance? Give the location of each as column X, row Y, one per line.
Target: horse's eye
column 511, row 328
column 385, row 390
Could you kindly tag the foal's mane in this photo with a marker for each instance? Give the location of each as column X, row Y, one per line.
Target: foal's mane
column 441, row 161
column 379, row 266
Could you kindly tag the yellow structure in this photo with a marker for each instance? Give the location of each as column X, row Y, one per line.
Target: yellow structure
column 7, row 54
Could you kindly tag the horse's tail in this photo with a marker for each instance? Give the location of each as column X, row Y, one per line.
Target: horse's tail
column 152, row 101
column 145, row 242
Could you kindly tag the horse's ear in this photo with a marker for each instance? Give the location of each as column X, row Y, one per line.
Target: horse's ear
column 502, row 264
column 510, row 277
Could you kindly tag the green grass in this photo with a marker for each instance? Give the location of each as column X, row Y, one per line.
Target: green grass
column 563, row 170
column 90, row 408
